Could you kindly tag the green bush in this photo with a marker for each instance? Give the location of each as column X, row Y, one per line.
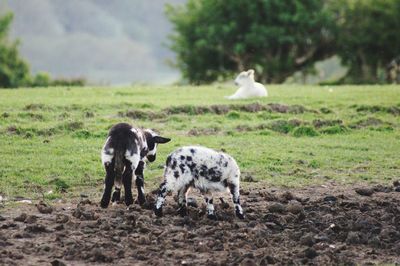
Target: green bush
column 14, row 71
column 41, row 79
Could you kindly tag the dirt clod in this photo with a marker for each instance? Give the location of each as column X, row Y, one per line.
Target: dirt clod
column 21, row 218
column 330, row 199
column 310, row 253
column 58, row 262
column 44, row 208
column 353, row 238
column 365, row 191
column 249, row 178
column 307, row 240
column 62, row 218
column 294, row 207
column 31, row 219
column 277, row 207
column 36, row 228
column 382, row 188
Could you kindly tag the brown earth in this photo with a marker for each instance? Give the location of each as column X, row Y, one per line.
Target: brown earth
column 321, row 225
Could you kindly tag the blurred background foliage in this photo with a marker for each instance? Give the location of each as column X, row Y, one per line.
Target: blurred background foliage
column 277, row 38
column 15, row 72
column 284, row 41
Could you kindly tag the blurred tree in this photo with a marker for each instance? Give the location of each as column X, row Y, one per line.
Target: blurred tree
column 216, row 38
column 41, row 79
column 369, row 37
column 14, row 72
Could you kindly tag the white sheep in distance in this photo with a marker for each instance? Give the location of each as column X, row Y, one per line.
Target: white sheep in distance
column 248, row 87
column 201, row 168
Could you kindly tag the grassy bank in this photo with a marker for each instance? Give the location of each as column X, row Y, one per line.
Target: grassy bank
column 51, row 138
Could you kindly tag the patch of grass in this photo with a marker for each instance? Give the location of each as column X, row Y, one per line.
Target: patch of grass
column 325, row 110
column 140, row 115
column 30, row 132
column 60, row 185
column 314, row 164
column 265, row 133
column 281, row 126
column 36, row 106
column 146, row 105
column 305, row 131
column 53, row 196
column 84, row 134
column 326, row 122
column 29, row 115
column 369, row 122
column 394, row 110
column 233, row 115
column 59, row 132
column 338, row 129
column 383, row 129
column 71, row 126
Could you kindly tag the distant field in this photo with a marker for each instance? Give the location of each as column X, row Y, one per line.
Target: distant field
column 51, row 138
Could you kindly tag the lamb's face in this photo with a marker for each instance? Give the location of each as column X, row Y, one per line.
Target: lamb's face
column 244, row 78
column 153, row 139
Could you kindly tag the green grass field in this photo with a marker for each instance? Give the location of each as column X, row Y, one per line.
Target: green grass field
column 51, row 138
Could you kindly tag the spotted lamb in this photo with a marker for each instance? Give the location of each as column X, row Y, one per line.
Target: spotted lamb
column 123, row 157
column 201, row 168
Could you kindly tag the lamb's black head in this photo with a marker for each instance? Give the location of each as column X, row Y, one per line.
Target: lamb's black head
column 153, row 139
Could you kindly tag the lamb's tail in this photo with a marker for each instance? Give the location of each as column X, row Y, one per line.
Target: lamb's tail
column 119, row 165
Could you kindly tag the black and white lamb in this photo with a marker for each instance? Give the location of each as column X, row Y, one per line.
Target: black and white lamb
column 201, row 168
column 123, row 157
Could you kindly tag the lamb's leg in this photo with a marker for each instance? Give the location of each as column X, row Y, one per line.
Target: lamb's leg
column 210, row 206
column 236, row 200
column 141, row 199
column 127, row 181
column 162, row 193
column 116, row 196
column 108, row 183
column 182, row 211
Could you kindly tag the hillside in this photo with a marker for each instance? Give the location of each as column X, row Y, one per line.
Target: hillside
column 115, row 42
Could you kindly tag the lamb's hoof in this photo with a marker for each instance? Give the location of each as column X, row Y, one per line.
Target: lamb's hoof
column 140, row 200
column 182, row 211
column 104, row 203
column 240, row 215
column 128, row 200
column 116, row 197
column 158, row 212
column 212, row 217
column 192, row 202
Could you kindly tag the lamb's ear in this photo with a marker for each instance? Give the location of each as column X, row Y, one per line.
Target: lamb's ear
column 158, row 139
column 250, row 72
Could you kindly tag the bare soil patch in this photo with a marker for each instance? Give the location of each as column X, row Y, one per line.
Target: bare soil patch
column 321, row 225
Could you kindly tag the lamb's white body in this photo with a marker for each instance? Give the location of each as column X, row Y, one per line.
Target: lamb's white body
column 202, row 168
column 248, row 87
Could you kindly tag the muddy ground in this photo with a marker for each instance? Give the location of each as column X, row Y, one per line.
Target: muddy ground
column 321, row 225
